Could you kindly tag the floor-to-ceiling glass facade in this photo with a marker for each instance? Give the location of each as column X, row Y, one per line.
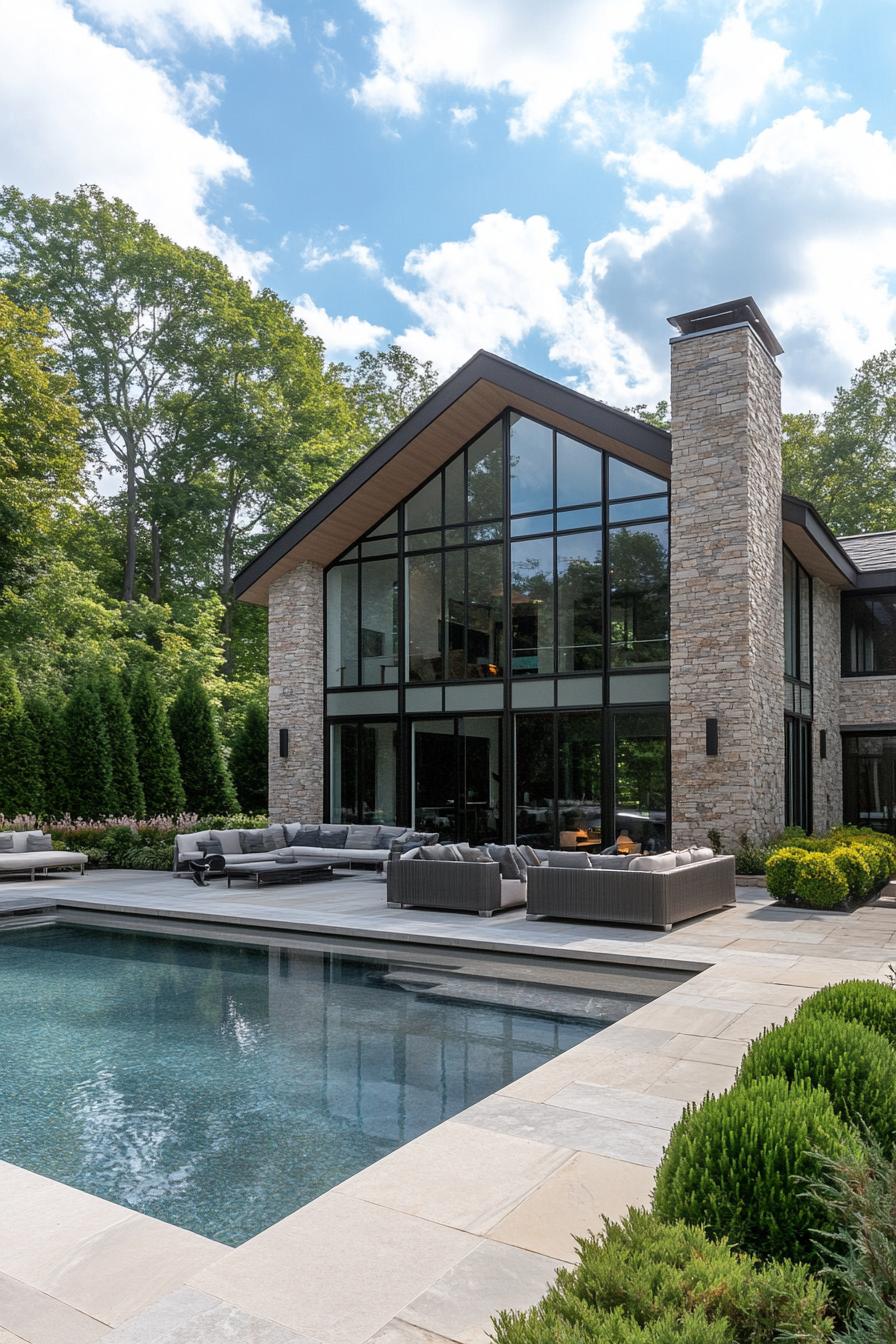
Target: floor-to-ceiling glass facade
column 797, row 694
column 498, row 647
column 869, row 780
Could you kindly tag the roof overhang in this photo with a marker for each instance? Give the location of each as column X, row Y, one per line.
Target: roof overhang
column 455, row 413
column 814, row 545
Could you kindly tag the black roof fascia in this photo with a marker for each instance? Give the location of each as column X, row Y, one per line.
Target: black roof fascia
column 872, row 579
column 801, row 512
column 616, row 424
column 721, row 315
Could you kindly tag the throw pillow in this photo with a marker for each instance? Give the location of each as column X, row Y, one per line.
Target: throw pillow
column 421, row 838
column 306, row 836
column 611, row 862
column 333, row 837
column 439, row 853
column 409, row 853
column 470, row 855
column 231, row 842
column 36, row 842
column 699, row 854
column 6, row 842
column 274, row 836
column 682, row 856
column 529, row 857
column 363, row 837
column 251, row 842
column 207, row 847
column 567, row 858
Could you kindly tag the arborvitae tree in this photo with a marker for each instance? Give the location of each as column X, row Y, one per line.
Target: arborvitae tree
column 157, row 759
column 207, row 784
column 20, row 780
column 249, row 760
column 45, row 717
column 89, row 755
column 127, row 791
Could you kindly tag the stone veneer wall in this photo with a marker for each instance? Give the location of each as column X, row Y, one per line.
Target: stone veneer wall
column 726, row 619
column 827, row 775
column 295, row 693
column 867, row 700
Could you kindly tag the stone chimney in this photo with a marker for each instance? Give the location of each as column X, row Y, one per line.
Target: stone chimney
column 726, row 618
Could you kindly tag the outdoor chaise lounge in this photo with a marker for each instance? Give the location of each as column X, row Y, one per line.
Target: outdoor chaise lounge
column 346, row 845
column 658, row 890
column 32, row 852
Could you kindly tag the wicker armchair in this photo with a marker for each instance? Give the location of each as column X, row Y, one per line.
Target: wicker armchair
column 435, row 885
column 605, row 896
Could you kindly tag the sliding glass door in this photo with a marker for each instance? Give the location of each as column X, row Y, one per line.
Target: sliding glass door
column 456, row 777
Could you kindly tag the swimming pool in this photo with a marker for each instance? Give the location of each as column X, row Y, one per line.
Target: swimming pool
column 220, row 1085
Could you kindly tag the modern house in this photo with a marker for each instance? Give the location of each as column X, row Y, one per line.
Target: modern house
column 525, row 613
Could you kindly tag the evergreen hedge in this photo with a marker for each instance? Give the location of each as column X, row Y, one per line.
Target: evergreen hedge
column 45, row 716
column 868, row 1002
column 87, row 753
column 819, row 883
column 647, row 1281
column 203, row 770
column 854, row 1065
column 739, row 1164
column 20, row 778
column 127, row 792
column 249, row 759
column 157, row 759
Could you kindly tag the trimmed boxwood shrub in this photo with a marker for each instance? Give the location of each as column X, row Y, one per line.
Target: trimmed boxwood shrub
column 781, row 870
column 854, row 1065
column 738, row 1165
column 853, row 862
column 650, row 1281
column 819, row 883
column 868, row 1002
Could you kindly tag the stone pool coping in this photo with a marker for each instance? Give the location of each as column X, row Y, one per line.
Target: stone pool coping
column 476, row 1214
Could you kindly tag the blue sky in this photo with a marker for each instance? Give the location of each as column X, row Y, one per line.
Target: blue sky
column 549, row 181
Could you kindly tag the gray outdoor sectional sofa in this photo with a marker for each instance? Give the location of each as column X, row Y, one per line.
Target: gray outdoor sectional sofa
column 32, row 852
column 658, row 890
column 437, row 877
column 342, row 845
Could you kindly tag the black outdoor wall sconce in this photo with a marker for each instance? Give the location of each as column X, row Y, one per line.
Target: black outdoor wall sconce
column 712, row 737
column 284, row 741
column 823, row 744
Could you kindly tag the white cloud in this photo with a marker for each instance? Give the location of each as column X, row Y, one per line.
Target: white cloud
column 343, row 337
column 737, row 71
column 162, row 22
column 543, row 56
column 463, row 116
column 99, row 114
column 316, row 255
column 490, row 290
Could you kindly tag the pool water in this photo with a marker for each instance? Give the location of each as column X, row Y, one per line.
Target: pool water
column 219, row 1086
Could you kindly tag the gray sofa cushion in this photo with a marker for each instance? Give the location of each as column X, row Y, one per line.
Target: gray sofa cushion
column 255, row 842
column 230, row 841
column 568, row 858
column 652, row 863
column 363, row 837
column 470, row 855
column 509, row 860
column 37, row 843
column 333, row 837
column 439, row 853
column 529, row 856
column 390, row 833
column 619, row 862
column 210, row 846
column 304, row 835
column 682, row 856
column 6, row 842
column 699, row 854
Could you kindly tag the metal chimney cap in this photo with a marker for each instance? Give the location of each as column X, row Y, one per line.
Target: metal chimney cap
column 730, row 314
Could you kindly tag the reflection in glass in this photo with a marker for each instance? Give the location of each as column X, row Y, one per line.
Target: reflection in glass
column 532, row 525
column 578, row 472
column 869, row 631
column 485, row 475
column 535, row 784
column 379, row 622
column 579, row 602
column 456, row 780
column 424, row 509
column 531, row 466
column 869, row 780
column 655, row 507
column 342, row 626
column 532, row 606
column 455, row 607
column 424, row 602
column 454, row 490
column 641, row 774
column 627, row 480
column 579, row 775
column 797, row 772
column 485, row 611
column 639, row 594
column 388, row 527
column 571, row 519
column 363, row 762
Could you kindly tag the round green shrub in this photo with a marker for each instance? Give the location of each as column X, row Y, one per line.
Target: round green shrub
column 781, row 870
column 741, row 1165
column 855, row 867
column 878, row 859
column 819, row 883
column 670, row 1281
column 868, row 1002
column 854, row 1065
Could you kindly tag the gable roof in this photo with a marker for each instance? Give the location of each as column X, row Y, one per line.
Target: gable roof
column 438, row 428
column 871, row 551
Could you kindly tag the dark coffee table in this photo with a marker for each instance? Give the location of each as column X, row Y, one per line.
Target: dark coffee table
column 269, row 871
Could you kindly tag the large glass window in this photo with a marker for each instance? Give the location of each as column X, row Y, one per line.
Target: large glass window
column 425, row 620
column 558, row 778
column 639, row 595
column 363, row 761
column 640, row 743
column 869, row 633
column 797, row 772
column 456, row 777
column 532, row 605
column 531, row 466
column 579, row 602
column 869, row 780
column 379, row 622
column 485, row 475
column 342, row 626
column 485, row 611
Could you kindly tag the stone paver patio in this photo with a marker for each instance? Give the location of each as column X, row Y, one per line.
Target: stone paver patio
column 476, row 1214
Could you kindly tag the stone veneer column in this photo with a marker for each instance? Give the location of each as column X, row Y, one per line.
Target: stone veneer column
column 827, row 774
column 296, row 693
column 726, row 619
